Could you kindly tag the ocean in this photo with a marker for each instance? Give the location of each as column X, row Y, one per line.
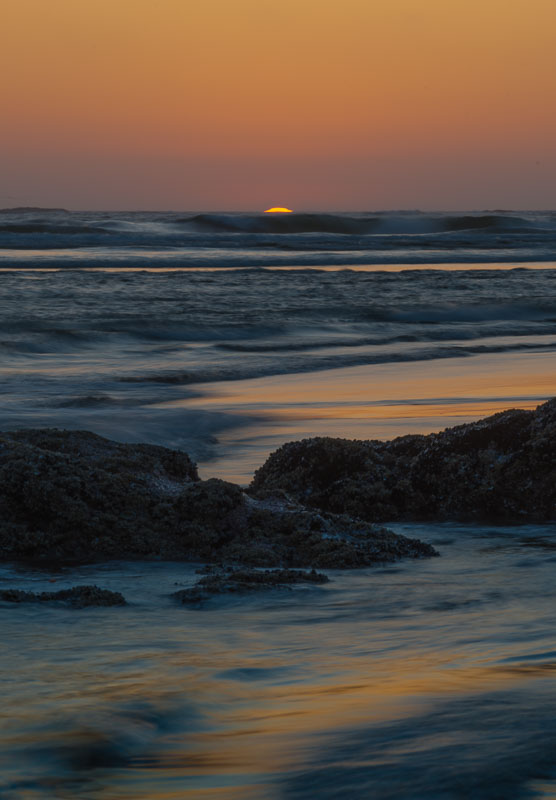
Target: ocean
column 226, row 335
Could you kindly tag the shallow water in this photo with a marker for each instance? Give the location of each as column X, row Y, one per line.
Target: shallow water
column 227, row 335
column 378, row 402
column 427, row 679
column 203, row 360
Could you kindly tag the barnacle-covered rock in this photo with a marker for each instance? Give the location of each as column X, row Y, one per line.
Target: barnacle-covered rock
column 242, row 581
column 76, row 597
column 502, row 468
column 72, row 495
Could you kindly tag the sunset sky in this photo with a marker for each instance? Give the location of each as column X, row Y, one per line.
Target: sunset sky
column 310, row 104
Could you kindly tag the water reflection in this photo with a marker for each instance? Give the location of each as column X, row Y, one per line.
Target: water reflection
column 432, row 679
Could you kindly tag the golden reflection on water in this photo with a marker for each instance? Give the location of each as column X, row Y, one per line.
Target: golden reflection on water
column 362, row 412
column 378, row 401
column 493, row 378
column 216, row 703
column 403, row 687
column 16, row 255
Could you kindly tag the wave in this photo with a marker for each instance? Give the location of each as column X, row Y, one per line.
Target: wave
column 484, row 222
column 44, row 227
column 448, row 334
column 405, row 330
column 358, row 224
column 475, row 313
column 287, row 223
column 317, row 363
column 225, row 239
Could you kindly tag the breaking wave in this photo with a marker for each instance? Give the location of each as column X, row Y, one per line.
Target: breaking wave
column 269, row 238
column 316, row 362
column 360, row 225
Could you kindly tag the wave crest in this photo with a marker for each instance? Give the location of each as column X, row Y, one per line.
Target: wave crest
column 360, row 225
column 288, row 223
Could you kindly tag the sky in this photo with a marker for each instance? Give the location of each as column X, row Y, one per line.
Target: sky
column 309, row 104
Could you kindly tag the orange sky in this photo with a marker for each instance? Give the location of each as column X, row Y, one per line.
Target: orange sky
column 313, row 104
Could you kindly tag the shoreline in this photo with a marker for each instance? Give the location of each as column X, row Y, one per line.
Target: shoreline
column 72, row 496
column 379, row 402
column 121, row 355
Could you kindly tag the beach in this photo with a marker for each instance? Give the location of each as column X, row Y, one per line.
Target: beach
column 224, row 337
column 278, row 400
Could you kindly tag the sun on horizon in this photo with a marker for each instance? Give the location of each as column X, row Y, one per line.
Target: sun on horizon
column 278, row 210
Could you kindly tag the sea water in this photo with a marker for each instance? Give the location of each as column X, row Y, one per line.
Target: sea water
column 227, row 335
column 431, row 679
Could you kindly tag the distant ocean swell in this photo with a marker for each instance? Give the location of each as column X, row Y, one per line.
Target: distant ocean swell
column 102, row 239
column 363, row 225
column 112, row 350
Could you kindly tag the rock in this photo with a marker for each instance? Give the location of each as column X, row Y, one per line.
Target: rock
column 500, row 469
column 76, row 495
column 246, row 580
column 303, row 538
column 76, row 597
column 72, row 495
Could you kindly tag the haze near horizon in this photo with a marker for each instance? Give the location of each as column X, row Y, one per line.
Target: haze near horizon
column 306, row 104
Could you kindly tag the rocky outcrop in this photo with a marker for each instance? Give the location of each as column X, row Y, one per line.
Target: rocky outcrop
column 502, row 468
column 297, row 537
column 76, row 597
column 75, row 495
column 72, row 495
column 243, row 581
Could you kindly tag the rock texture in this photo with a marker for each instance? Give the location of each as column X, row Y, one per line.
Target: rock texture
column 243, row 581
column 502, row 468
column 72, row 495
column 76, row 597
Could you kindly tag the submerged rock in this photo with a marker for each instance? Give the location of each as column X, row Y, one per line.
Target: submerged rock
column 502, row 468
column 242, row 581
column 76, row 597
column 72, row 495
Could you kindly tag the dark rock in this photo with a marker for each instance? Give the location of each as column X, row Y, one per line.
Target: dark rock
column 76, row 597
column 76, row 495
column 209, row 514
column 502, row 468
column 245, row 580
column 302, row 538
column 72, row 495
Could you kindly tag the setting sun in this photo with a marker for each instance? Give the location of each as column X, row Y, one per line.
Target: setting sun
column 278, row 210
